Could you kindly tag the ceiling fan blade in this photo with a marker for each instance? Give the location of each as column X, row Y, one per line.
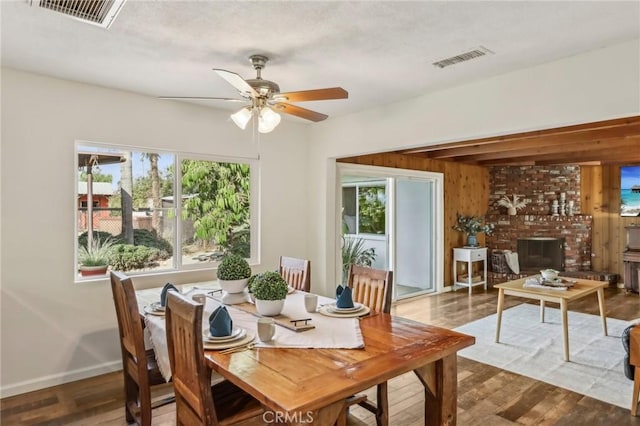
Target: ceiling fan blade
column 299, row 112
column 313, row 95
column 201, row 98
column 238, row 82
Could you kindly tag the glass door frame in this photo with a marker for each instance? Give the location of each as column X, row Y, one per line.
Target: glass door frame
column 347, row 169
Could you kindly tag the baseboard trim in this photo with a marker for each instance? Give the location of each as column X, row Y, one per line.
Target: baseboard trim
column 59, row 379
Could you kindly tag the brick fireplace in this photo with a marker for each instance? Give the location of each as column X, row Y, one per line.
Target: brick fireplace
column 539, row 186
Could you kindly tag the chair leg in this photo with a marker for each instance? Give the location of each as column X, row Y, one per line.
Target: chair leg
column 636, row 392
column 145, row 406
column 382, row 414
column 130, row 398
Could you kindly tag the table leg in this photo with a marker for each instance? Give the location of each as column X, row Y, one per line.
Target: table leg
column 565, row 328
column 542, row 310
column 499, row 313
column 440, row 390
column 328, row 415
column 603, row 315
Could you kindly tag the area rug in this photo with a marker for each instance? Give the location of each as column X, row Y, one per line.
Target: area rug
column 534, row 349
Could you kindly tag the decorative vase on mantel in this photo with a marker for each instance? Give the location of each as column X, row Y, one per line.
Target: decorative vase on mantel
column 472, row 240
column 512, row 211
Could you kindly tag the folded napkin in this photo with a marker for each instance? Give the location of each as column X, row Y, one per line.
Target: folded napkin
column 163, row 294
column 344, row 298
column 220, row 323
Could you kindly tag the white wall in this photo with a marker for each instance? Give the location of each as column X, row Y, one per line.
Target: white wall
column 54, row 330
column 599, row 85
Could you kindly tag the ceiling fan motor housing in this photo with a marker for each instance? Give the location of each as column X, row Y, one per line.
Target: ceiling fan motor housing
column 265, row 88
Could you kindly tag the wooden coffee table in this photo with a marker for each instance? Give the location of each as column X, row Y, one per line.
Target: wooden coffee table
column 581, row 289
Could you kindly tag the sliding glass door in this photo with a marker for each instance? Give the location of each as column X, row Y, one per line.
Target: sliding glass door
column 392, row 219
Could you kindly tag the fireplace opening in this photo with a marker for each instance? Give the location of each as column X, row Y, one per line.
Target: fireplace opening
column 541, row 253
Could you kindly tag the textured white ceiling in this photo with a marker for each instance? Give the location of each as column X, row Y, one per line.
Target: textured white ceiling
column 381, row 52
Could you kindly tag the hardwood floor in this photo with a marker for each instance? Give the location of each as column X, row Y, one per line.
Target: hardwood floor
column 487, row 396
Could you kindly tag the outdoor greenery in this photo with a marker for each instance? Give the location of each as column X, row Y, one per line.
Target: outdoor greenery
column 97, row 253
column 220, row 205
column 233, row 267
column 355, row 253
column 141, row 237
column 96, row 176
column 125, row 257
column 371, row 214
column 472, row 225
column 269, row 286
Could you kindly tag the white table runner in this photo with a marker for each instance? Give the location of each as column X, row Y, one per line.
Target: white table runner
column 330, row 333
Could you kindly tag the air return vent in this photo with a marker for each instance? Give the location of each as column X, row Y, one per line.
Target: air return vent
column 466, row 56
column 96, row 12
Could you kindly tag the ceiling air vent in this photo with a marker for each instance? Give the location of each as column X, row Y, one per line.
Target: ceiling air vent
column 96, row 12
column 466, row 56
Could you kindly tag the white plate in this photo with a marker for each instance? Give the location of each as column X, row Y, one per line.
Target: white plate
column 149, row 310
column 326, row 311
column 247, row 338
column 156, row 306
column 356, row 307
column 237, row 333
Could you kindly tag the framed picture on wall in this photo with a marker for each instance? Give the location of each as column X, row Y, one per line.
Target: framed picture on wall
column 630, row 191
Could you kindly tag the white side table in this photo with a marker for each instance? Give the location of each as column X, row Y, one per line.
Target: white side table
column 469, row 255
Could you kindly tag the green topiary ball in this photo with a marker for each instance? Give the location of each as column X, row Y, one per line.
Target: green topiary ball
column 233, row 267
column 269, row 286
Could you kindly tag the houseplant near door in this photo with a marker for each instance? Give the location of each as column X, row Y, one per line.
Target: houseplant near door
column 269, row 290
column 94, row 258
column 472, row 225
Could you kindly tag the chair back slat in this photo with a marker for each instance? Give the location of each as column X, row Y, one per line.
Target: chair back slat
column 296, row 272
column 371, row 287
column 191, row 376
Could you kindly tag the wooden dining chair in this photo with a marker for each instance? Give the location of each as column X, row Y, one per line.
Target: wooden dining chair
column 197, row 402
column 296, row 272
column 139, row 366
column 372, row 288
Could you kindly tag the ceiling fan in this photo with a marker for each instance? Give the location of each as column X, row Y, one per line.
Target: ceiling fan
column 265, row 98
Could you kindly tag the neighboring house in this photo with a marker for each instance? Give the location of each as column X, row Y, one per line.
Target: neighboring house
column 101, row 191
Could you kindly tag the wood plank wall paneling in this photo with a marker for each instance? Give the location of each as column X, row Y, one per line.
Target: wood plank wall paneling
column 600, row 191
column 466, row 190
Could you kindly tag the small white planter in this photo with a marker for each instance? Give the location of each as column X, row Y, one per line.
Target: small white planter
column 233, row 286
column 269, row 308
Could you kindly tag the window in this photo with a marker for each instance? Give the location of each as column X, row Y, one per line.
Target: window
column 363, row 208
column 161, row 211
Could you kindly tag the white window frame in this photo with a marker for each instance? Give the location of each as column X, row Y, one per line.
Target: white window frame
column 178, row 266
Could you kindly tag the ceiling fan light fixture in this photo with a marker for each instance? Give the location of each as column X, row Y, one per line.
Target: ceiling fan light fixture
column 242, row 117
column 268, row 120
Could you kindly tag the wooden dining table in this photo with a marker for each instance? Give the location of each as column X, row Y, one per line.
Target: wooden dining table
column 302, row 385
column 310, row 386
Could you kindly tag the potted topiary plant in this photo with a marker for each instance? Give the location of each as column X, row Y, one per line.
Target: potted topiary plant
column 233, row 273
column 94, row 257
column 269, row 290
